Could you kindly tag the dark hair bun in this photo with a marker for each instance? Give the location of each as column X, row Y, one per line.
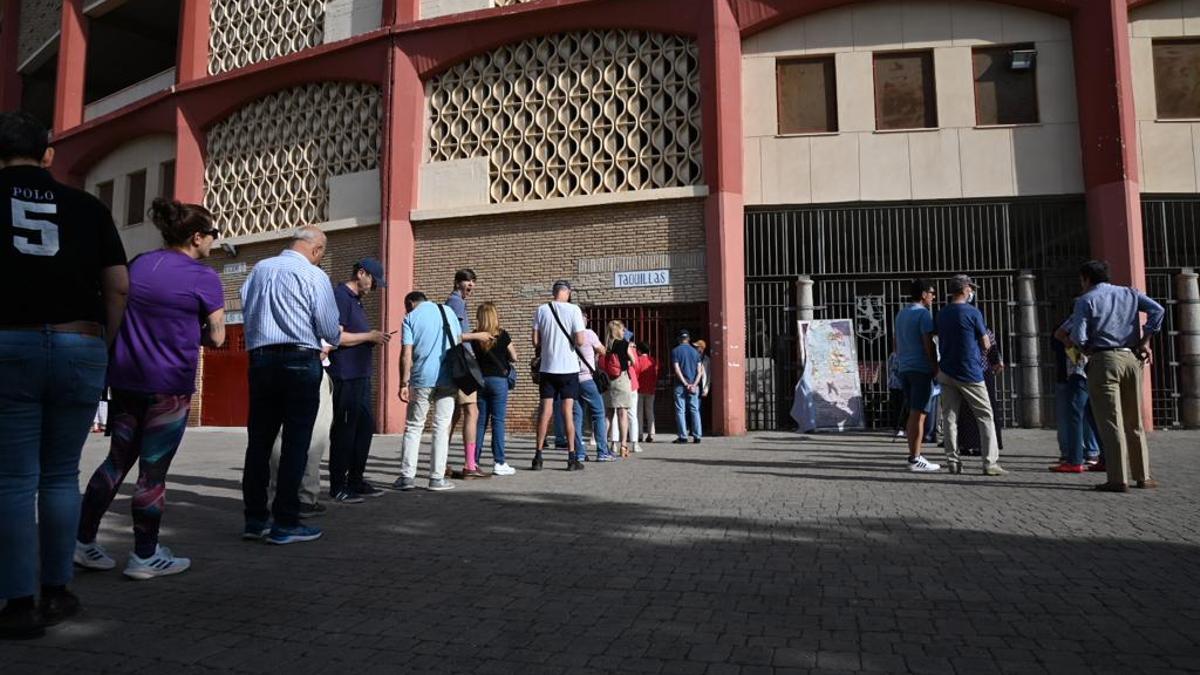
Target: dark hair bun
column 177, row 221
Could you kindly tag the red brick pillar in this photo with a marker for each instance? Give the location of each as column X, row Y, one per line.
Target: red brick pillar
column 403, row 141
column 10, row 79
column 1108, row 138
column 721, row 101
column 72, row 64
column 399, row 12
column 193, row 40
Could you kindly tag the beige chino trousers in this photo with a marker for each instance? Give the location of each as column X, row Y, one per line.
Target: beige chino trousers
column 975, row 394
column 1115, row 388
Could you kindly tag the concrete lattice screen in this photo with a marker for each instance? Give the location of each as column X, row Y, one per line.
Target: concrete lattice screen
column 243, row 32
column 574, row 114
column 269, row 163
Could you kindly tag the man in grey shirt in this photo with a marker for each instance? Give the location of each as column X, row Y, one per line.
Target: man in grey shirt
column 1106, row 325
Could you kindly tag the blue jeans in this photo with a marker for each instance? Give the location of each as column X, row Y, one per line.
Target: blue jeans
column 1076, row 427
column 591, row 396
column 50, row 384
column 285, row 391
column 493, row 404
column 687, row 404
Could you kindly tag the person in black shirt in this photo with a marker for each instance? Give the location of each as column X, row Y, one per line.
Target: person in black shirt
column 496, row 354
column 350, row 369
column 53, row 357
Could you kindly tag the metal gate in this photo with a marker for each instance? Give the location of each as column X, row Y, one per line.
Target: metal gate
column 862, row 258
column 1171, row 235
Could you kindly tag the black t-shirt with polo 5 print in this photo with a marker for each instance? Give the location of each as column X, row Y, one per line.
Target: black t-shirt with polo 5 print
column 54, row 240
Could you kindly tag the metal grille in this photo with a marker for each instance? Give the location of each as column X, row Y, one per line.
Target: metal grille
column 1171, row 235
column 862, row 258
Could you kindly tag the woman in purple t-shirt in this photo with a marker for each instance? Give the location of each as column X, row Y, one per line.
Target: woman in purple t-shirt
column 175, row 302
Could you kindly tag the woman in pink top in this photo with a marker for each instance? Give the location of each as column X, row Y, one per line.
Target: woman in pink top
column 647, row 384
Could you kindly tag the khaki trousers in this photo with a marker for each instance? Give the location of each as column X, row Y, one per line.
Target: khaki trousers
column 310, row 486
column 1115, row 388
column 975, row 394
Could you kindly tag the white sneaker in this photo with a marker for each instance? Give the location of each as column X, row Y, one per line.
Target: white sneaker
column 900, row 433
column 161, row 564
column 637, row 448
column 93, row 556
column 922, row 465
column 503, row 470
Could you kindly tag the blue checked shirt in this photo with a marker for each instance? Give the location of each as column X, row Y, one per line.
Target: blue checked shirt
column 1107, row 316
column 287, row 300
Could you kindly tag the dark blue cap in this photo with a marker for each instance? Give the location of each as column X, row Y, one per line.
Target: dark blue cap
column 375, row 269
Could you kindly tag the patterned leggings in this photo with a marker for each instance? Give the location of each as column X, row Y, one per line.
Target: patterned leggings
column 146, row 429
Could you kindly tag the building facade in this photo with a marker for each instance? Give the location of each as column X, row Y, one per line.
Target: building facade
column 726, row 166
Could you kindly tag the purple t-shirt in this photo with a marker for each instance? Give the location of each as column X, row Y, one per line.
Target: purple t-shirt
column 158, row 345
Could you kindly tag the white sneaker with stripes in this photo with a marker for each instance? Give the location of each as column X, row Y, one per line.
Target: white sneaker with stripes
column 93, row 556
column 161, row 564
column 919, row 464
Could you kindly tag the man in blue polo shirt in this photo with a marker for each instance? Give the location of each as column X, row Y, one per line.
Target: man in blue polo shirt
column 350, row 370
column 916, row 365
column 687, row 372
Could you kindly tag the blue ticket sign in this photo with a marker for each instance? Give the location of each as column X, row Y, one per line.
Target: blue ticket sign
column 642, row 278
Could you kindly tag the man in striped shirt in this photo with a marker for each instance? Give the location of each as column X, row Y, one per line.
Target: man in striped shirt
column 289, row 308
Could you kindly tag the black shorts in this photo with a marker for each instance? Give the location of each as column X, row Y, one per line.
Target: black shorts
column 555, row 385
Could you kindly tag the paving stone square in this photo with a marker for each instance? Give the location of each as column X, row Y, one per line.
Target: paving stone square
column 772, row 553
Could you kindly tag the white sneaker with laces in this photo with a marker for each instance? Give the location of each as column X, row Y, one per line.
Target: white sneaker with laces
column 503, row 470
column 922, row 465
column 93, row 556
column 161, row 564
column 637, row 448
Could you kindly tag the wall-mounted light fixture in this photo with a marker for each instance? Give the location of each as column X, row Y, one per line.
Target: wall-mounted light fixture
column 230, row 249
column 1022, row 59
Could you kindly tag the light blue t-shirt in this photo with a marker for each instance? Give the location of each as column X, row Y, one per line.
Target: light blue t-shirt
column 913, row 323
column 424, row 330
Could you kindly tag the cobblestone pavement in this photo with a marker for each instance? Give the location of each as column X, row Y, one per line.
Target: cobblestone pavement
column 773, row 553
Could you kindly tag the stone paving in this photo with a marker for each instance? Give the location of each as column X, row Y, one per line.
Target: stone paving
column 772, row 553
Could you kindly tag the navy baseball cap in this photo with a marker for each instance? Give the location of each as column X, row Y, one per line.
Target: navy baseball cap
column 374, row 268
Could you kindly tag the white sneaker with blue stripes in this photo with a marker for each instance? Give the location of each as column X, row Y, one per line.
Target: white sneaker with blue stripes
column 161, row 564
column 93, row 556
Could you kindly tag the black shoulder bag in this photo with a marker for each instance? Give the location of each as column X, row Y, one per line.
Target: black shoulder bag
column 598, row 376
column 464, row 369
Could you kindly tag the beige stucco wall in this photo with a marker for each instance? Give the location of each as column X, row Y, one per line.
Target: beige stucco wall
column 957, row 160
column 1169, row 150
column 146, row 153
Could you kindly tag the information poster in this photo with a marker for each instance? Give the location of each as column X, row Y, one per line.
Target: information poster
column 829, row 396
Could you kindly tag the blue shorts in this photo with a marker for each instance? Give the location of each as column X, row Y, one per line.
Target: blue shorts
column 917, row 388
column 554, row 385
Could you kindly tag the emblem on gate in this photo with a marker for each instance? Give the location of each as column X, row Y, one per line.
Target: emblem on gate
column 868, row 310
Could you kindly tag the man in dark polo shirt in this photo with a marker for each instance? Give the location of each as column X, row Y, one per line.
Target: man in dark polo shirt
column 63, row 266
column 350, row 370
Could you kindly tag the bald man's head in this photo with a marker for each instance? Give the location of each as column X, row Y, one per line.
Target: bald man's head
column 309, row 241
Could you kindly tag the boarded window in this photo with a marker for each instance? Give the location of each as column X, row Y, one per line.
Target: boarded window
column 166, row 179
column 904, row 92
column 1177, row 78
column 1003, row 95
column 104, row 192
column 135, row 211
column 807, row 91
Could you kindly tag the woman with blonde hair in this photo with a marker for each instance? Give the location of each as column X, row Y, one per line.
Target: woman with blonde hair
column 496, row 355
column 618, row 363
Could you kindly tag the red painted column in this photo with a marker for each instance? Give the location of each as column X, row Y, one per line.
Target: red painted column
column 189, row 159
column 10, row 79
column 403, row 141
column 193, row 40
column 721, row 101
column 1108, row 138
column 399, row 12
column 72, row 63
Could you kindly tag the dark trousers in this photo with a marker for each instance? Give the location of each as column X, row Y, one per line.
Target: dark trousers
column 284, row 392
column 350, row 436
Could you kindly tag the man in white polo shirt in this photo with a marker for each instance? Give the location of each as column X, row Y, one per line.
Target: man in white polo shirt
column 558, row 330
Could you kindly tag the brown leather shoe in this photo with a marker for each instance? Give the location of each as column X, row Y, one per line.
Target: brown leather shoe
column 1112, row 487
column 473, row 474
column 1148, row 484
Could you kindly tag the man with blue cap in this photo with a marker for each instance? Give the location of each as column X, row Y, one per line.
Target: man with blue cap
column 350, row 370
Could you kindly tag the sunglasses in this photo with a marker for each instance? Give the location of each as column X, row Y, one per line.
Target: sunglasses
column 214, row 233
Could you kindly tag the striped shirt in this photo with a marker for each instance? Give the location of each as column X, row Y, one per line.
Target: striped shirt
column 287, row 300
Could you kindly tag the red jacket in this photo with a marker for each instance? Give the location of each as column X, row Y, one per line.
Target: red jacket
column 647, row 374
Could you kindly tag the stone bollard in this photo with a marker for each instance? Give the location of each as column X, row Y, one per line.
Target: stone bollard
column 804, row 298
column 1187, row 321
column 1028, row 349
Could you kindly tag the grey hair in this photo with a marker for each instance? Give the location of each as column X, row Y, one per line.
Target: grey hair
column 308, row 233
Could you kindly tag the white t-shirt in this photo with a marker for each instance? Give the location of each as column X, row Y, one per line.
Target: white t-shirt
column 558, row 353
column 590, row 342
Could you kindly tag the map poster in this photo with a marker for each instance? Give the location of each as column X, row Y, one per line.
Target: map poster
column 830, row 360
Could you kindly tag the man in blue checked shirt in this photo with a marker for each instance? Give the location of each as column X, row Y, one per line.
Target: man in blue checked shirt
column 1107, row 326
column 289, row 308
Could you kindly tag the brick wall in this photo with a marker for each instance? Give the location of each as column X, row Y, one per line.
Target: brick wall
column 344, row 249
column 518, row 256
column 40, row 20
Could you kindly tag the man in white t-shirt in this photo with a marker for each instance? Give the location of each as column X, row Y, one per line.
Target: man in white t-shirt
column 558, row 331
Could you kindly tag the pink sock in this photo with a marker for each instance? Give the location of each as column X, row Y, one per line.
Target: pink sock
column 471, row 457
